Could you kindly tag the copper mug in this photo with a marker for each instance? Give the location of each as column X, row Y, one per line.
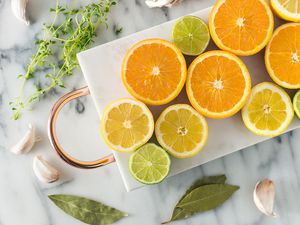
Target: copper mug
column 54, row 140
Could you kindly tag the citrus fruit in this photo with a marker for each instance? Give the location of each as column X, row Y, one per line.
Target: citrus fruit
column 268, row 111
column 282, row 56
column 150, row 164
column 126, row 125
column 296, row 104
column 181, row 130
column 287, row 9
column 242, row 27
column 218, row 84
column 191, row 35
column 154, row 71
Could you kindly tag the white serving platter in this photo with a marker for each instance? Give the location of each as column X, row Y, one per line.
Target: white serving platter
column 101, row 67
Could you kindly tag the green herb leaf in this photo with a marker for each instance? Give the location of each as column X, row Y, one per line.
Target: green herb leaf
column 219, row 179
column 179, row 213
column 71, row 31
column 207, row 197
column 86, row 210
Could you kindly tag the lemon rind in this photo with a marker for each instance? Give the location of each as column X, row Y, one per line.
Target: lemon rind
column 168, row 148
column 285, row 97
column 140, row 143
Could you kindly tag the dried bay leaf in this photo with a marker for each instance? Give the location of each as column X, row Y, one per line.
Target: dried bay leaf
column 207, row 197
column 87, row 210
column 220, row 179
column 180, row 213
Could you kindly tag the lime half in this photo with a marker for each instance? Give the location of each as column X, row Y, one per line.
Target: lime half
column 150, row 164
column 296, row 103
column 191, row 35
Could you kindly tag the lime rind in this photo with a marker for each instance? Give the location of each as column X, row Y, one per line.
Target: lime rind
column 150, row 164
column 191, row 35
column 296, row 104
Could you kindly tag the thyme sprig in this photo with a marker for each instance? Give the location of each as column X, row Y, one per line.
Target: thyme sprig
column 71, row 31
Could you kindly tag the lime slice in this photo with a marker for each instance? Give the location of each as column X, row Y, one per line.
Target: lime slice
column 150, row 164
column 191, row 35
column 296, row 103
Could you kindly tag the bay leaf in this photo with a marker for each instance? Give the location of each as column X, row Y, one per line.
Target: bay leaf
column 87, row 210
column 207, row 197
column 179, row 213
column 219, row 179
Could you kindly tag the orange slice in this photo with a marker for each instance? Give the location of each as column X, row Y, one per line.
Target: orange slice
column 242, row 27
column 282, row 56
column 154, row 71
column 218, row 84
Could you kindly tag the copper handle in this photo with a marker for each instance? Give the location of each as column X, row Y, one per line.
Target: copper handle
column 54, row 140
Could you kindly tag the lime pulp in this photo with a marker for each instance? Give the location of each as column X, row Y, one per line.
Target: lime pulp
column 150, row 164
column 191, row 35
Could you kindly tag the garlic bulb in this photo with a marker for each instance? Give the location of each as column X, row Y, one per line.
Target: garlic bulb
column 19, row 9
column 44, row 171
column 26, row 143
column 264, row 195
column 160, row 3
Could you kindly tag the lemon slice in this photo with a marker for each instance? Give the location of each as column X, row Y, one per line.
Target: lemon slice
column 126, row 125
column 181, row 130
column 268, row 111
column 296, row 103
column 150, row 164
column 287, row 9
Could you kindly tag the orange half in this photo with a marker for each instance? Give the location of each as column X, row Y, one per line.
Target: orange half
column 242, row 27
column 154, row 71
column 218, row 84
column 282, row 56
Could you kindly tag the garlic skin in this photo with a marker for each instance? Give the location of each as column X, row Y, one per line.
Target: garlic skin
column 264, row 196
column 44, row 171
column 160, row 3
column 26, row 143
column 19, row 9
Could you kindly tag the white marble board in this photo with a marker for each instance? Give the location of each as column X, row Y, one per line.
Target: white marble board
column 101, row 67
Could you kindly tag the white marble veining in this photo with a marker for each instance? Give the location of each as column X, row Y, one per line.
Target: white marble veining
column 23, row 200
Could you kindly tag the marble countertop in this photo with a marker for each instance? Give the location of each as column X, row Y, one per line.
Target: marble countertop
column 23, row 199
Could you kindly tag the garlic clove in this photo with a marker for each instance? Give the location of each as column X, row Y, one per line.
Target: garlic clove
column 160, row 3
column 44, row 171
column 26, row 143
column 264, row 196
column 19, row 9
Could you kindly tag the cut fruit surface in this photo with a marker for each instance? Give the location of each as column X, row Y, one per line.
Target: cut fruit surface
column 282, row 56
column 126, row 125
column 191, row 35
column 242, row 27
column 154, row 71
column 218, row 84
column 268, row 111
column 150, row 164
column 287, row 9
column 296, row 103
column 181, row 130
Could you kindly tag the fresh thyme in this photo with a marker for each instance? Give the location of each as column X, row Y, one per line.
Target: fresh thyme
column 61, row 40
